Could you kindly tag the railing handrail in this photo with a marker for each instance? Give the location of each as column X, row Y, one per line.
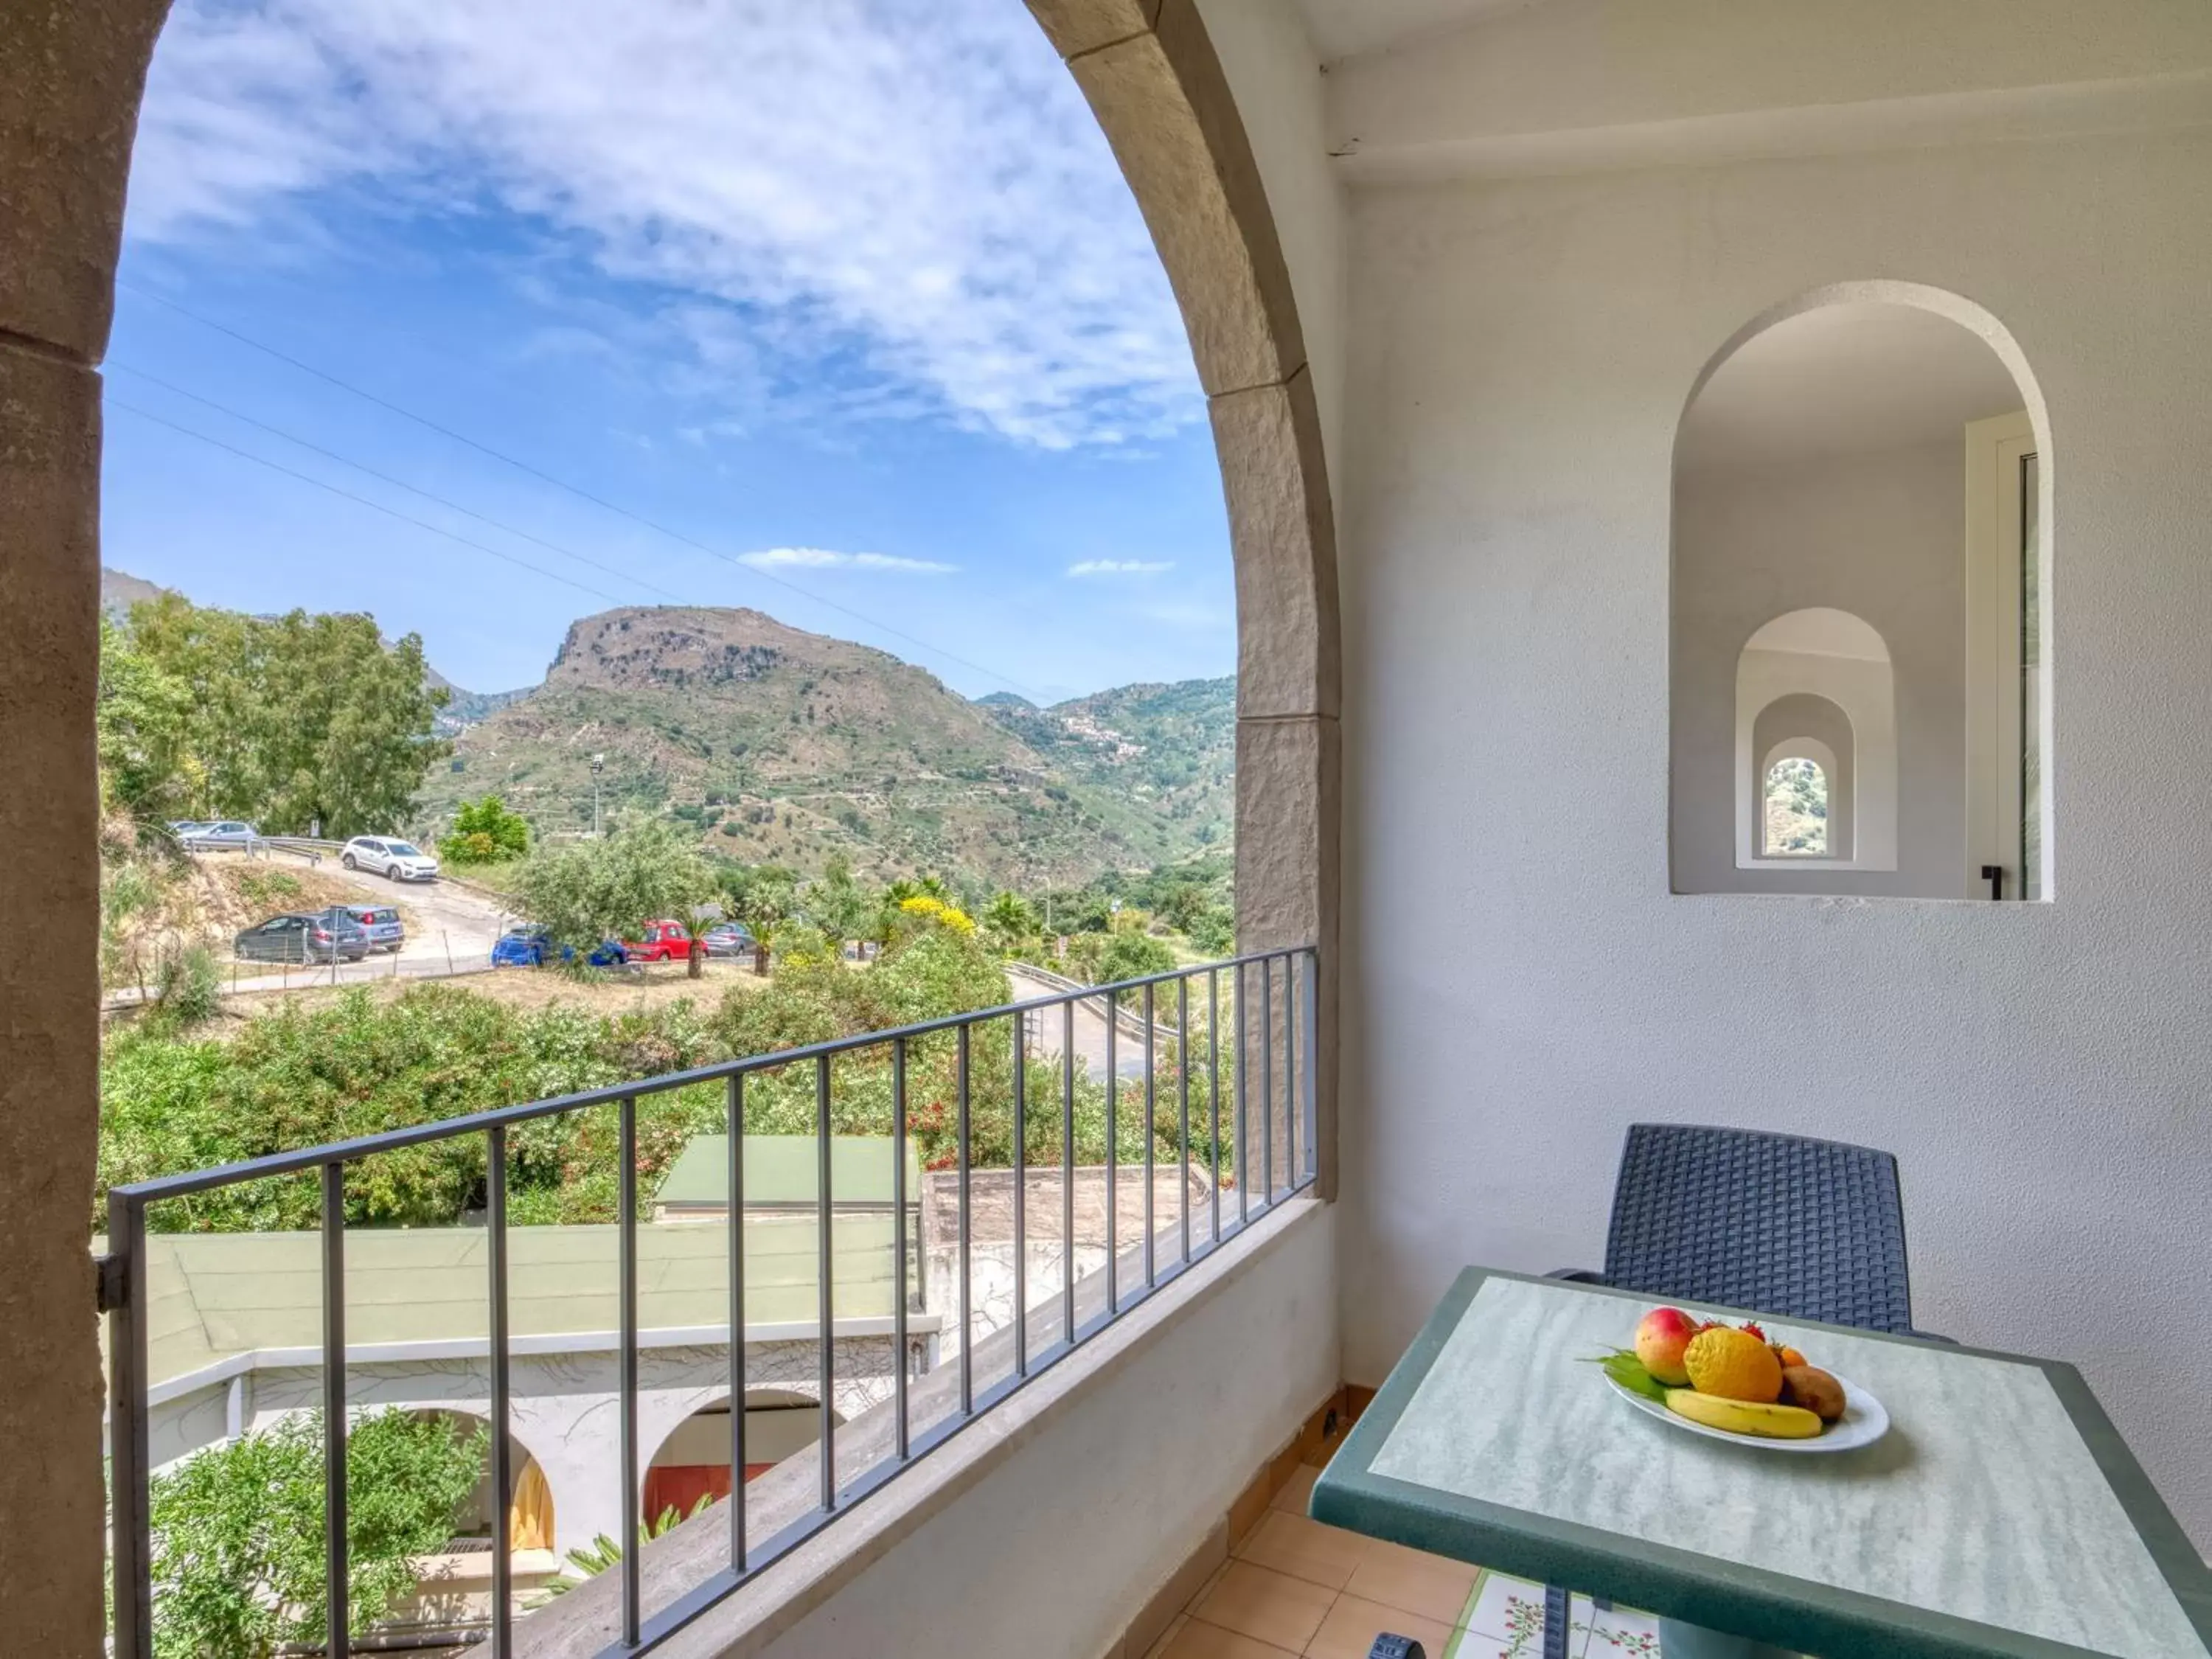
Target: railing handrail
column 159, row 1188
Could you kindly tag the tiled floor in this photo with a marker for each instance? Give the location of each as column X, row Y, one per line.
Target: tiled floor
column 1292, row 1586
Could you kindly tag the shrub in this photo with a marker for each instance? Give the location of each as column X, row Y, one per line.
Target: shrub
column 237, row 1530
column 485, row 832
column 188, row 988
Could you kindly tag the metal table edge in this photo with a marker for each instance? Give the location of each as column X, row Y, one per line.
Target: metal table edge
column 1697, row 1589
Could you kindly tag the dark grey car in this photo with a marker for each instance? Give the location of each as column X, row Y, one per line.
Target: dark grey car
column 381, row 922
column 297, row 937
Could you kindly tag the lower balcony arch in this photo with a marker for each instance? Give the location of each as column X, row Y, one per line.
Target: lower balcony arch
column 693, row 1460
column 1791, row 825
column 1818, row 684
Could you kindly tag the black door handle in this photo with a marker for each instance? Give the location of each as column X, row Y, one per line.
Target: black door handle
column 1994, row 874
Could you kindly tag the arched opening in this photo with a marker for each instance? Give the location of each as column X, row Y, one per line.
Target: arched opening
column 1842, row 586
column 692, row 1464
column 1795, row 791
column 529, row 1521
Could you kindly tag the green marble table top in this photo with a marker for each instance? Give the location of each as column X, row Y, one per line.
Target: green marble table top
column 2003, row 1516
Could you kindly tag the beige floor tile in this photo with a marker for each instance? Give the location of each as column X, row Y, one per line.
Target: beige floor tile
column 1207, row 1588
column 1305, row 1549
column 1412, row 1582
column 1158, row 1650
column 1350, row 1630
column 1199, row 1640
column 1296, row 1491
column 1269, row 1606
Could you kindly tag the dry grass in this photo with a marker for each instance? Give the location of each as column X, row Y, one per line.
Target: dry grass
column 633, row 991
column 207, row 900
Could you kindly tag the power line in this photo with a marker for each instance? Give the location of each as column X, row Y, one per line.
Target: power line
column 398, row 483
column 576, row 490
column 374, row 506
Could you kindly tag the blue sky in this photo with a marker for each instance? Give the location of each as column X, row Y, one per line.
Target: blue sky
column 845, row 294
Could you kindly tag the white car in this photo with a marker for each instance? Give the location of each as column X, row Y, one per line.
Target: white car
column 399, row 860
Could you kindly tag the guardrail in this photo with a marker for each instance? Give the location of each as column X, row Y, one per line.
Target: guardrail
column 1128, row 1019
column 1281, row 1165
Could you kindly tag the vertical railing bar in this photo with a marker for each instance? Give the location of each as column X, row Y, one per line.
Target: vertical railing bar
column 1152, row 1117
column 337, row 1623
column 1311, row 1107
column 1268, row 1081
column 1291, row 1165
column 829, row 1305
column 967, row 1195
column 1244, row 1124
column 1214, row 1085
column 130, row 1515
column 898, row 1213
column 1113, row 1163
column 626, row 1296
column 737, row 1214
column 1182, row 1124
column 1068, row 1172
column 502, row 1462
column 1021, row 1200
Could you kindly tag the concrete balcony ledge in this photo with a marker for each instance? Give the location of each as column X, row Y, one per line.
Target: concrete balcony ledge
column 1052, row 1519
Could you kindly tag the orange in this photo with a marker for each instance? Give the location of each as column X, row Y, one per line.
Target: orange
column 1732, row 1364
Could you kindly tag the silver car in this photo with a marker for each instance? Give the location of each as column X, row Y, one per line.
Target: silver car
column 397, row 861
column 223, row 833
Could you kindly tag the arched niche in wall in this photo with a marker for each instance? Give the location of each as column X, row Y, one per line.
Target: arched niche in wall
column 1874, row 450
column 1818, row 684
column 1801, row 814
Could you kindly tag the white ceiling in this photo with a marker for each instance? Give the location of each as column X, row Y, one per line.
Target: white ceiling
column 1841, row 380
column 1341, row 28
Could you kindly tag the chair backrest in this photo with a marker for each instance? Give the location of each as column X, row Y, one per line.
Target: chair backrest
column 1778, row 1224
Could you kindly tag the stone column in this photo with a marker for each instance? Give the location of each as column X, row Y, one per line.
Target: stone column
column 71, row 73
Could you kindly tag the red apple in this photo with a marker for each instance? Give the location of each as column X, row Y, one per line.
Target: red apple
column 1660, row 1337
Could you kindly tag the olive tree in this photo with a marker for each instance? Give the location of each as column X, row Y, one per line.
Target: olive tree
column 589, row 890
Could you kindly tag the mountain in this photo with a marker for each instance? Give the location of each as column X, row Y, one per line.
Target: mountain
column 464, row 708
column 1171, row 748
column 789, row 746
column 120, row 590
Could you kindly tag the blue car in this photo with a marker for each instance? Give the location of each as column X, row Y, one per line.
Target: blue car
column 529, row 947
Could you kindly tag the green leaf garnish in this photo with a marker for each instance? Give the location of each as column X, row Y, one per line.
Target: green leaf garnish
column 1625, row 1368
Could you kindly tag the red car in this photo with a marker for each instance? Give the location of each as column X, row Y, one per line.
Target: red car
column 665, row 940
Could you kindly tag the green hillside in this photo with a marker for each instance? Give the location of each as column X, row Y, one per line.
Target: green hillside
column 788, row 746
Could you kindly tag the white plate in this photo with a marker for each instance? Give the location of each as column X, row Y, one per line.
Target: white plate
column 1863, row 1422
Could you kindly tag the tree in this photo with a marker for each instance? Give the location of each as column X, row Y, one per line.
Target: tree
column 1010, row 919
column 589, row 891
column 237, row 1530
column 294, row 720
column 762, row 897
column 144, row 718
column 837, row 905
column 485, row 832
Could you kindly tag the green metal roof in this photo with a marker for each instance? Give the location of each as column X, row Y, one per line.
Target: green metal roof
column 782, row 1170
column 218, row 1295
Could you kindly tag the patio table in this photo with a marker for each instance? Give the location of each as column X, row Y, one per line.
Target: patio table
column 2001, row 1517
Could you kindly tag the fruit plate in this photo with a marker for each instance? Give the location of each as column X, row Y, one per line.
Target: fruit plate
column 1863, row 1422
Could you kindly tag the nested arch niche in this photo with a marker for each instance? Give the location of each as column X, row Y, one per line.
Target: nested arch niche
column 1817, row 685
column 1860, row 544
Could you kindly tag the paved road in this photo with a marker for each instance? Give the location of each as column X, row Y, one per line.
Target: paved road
column 1090, row 1028
column 452, row 932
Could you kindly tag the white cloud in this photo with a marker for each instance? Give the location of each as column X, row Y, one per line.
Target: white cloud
column 821, row 558
column 1120, row 567
column 916, row 196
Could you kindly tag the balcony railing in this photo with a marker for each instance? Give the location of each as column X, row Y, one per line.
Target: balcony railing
column 1256, row 1135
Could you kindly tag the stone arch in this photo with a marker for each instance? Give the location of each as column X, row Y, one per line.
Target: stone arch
column 71, row 80
column 1153, row 81
column 531, row 1511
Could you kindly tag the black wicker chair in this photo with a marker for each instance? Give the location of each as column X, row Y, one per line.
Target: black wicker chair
column 1777, row 1223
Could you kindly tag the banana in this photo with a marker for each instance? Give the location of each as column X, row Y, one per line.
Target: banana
column 1744, row 1416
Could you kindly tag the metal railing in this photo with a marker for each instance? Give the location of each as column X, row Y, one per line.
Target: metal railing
column 1276, row 1026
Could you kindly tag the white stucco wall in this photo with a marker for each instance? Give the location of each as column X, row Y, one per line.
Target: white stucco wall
column 1105, row 1493
column 1520, row 984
